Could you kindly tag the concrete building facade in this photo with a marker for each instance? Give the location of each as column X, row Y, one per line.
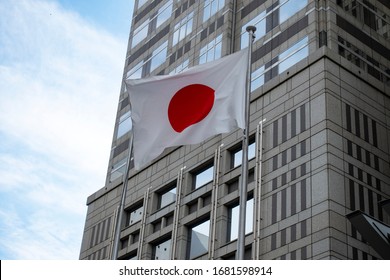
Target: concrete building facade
column 320, row 78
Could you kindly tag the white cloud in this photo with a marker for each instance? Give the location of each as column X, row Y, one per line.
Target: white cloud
column 40, row 235
column 59, row 84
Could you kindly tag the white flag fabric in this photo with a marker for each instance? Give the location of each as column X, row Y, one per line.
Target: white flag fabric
column 187, row 108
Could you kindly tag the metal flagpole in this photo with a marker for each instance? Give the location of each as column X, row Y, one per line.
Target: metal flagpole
column 121, row 206
column 244, row 165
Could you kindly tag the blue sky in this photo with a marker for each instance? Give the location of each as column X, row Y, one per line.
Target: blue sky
column 61, row 64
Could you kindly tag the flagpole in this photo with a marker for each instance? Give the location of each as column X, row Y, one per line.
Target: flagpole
column 121, row 206
column 244, row 165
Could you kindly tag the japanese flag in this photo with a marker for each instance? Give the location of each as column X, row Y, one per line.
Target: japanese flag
column 187, row 108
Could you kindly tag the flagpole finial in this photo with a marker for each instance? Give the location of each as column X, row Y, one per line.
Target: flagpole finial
column 250, row 28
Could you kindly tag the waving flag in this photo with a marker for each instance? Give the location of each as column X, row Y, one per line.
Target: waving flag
column 187, row 108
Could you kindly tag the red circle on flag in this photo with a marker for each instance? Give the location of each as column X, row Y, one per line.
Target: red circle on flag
column 190, row 105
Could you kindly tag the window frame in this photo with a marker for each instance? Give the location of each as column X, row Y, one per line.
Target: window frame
column 211, row 51
column 118, row 167
column 164, row 191
column 152, row 23
column 259, row 21
column 159, row 56
column 184, row 26
column 248, row 220
column 238, row 150
column 125, row 124
column 198, row 172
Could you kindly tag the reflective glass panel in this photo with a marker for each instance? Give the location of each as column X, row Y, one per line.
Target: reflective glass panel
column 204, row 177
column 118, row 169
column 289, row 8
column 211, row 7
column 234, row 219
column 257, row 78
column 199, row 239
column 181, row 67
column 237, row 157
column 135, row 72
column 293, row 55
column 140, row 33
column 159, row 56
column 212, row 51
column 182, row 29
column 168, row 197
column 125, row 125
column 141, row 3
column 259, row 23
column 164, row 13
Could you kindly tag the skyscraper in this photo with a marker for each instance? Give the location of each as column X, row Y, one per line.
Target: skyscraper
column 320, row 78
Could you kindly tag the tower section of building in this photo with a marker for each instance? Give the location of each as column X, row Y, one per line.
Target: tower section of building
column 320, row 78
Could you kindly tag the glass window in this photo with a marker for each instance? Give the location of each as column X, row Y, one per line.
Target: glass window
column 237, row 155
column 293, row 55
column 162, row 251
column 199, row 239
column 182, row 28
column 136, row 71
column 151, row 24
column 289, row 8
column 125, row 124
column 259, row 23
column 364, row 61
column 181, row 67
column 134, row 216
column 211, row 51
column 140, row 33
column 368, row 14
column 284, row 61
column 159, row 56
column 118, row 169
column 257, row 78
column 164, row 13
column 211, row 7
column 141, row 3
column 286, row 10
column 203, row 177
column 234, row 219
column 167, row 197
